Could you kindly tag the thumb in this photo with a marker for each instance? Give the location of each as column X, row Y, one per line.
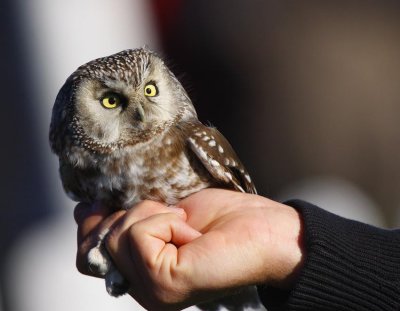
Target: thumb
column 151, row 237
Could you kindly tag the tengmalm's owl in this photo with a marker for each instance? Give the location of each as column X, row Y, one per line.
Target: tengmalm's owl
column 125, row 130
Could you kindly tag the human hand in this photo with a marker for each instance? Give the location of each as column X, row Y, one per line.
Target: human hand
column 217, row 242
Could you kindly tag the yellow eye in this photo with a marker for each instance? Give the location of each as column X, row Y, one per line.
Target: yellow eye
column 111, row 101
column 150, row 90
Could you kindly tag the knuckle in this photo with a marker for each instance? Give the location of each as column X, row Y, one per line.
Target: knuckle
column 80, row 212
column 82, row 264
column 135, row 232
column 111, row 240
column 80, row 267
column 114, row 231
column 117, row 218
column 82, row 255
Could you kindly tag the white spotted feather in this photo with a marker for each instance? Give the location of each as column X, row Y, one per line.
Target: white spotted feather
column 217, row 155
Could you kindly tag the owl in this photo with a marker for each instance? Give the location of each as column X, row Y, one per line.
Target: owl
column 125, row 130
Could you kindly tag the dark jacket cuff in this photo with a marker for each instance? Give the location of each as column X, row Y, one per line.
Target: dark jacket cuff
column 349, row 266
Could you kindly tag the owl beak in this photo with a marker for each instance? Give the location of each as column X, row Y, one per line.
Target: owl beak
column 140, row 112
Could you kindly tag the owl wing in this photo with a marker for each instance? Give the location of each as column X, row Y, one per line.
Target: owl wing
column 219, row 158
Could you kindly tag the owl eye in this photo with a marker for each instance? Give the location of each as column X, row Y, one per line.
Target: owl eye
column 111, row 101
column 150, row 90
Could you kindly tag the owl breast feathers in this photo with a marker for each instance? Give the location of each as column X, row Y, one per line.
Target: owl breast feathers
column 125, row 130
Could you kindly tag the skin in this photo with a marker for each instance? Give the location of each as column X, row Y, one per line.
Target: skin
column 212, row 243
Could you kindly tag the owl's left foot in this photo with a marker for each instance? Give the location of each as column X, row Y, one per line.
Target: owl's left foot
column 101, row 264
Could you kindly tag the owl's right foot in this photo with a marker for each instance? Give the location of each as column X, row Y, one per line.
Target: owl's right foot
column 116, row 284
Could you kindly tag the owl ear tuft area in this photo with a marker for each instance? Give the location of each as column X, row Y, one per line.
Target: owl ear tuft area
column 59, row 117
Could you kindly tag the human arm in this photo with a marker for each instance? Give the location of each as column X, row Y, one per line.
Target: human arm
column 340, row 265
column 349, row 266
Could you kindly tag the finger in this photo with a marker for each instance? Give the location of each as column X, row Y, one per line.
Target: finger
column 149, row 236
column 96, row 220
column 203, row 207
column 88, row 216
column 148, row 253
column 137, row 213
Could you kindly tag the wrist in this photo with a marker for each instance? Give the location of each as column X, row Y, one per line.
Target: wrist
column 286, row 251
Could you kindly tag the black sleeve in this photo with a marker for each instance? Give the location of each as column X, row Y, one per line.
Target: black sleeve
column 349, row 266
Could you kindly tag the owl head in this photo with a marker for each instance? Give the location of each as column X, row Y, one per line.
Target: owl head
column 122, row 99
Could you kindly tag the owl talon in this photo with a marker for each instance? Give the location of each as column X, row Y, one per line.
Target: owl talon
column 100, row 264
column 98, row 260
column 116, row 284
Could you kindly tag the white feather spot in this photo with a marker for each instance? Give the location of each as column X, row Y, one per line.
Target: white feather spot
column 229, row 175
column 206, row 138
column 199, row 151
column 198, row 134
column 212, row 143
column 203, row 154
column 247, row 178
column 220, row 149
column 227, row 162
column 214, row 163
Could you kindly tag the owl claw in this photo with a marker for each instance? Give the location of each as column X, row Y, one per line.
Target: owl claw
column 116, row 285
column 100, row 263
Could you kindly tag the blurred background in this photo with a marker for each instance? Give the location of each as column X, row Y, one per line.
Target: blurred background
column 308, row 93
